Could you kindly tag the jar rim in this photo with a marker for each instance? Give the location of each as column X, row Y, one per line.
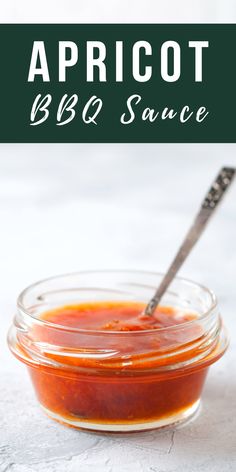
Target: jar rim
column 202, row 317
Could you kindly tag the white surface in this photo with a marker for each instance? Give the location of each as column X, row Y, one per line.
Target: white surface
column 66, row 208
column 118, row 11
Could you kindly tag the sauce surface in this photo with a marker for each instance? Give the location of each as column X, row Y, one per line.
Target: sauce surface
column 116, row 316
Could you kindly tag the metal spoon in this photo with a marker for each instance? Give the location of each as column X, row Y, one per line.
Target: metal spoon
column 209, row 204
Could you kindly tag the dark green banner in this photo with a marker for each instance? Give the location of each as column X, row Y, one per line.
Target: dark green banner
column 118, row 83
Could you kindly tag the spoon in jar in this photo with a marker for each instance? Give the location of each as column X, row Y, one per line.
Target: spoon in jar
column 209, row 204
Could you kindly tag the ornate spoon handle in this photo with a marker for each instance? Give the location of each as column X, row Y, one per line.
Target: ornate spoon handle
column 209, row 204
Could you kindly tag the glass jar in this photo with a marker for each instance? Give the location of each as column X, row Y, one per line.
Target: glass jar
column 117, row 381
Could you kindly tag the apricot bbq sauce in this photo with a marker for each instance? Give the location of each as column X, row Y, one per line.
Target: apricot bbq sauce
column 114, row 378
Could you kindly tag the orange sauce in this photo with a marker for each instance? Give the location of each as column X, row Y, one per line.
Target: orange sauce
column 124, row 375
column 115, row 316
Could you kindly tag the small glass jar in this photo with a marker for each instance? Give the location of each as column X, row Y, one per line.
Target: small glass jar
column 117, row 381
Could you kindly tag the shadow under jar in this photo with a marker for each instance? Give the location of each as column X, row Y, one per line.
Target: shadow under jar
column 117, row 381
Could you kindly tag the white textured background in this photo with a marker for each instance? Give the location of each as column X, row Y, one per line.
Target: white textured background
column 70, row 207
column 66, row 208
column 131, row 11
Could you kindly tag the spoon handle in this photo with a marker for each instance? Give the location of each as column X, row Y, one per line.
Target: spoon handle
column 209, row 204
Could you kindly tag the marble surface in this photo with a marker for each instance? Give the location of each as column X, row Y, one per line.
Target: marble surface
column 73, row 207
